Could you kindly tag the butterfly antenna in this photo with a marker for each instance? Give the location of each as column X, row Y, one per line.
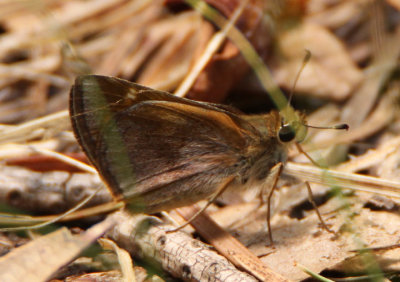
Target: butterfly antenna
column 342, row 126
column 306, row 59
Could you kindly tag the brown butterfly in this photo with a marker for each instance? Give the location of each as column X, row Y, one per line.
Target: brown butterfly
column 156, row 151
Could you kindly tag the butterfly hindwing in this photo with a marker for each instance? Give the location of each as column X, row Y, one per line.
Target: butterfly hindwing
column 155, row 148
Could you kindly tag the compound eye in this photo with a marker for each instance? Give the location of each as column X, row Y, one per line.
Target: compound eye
column 286, row 134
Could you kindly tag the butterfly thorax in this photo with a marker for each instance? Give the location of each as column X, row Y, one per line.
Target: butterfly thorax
column 264, row 152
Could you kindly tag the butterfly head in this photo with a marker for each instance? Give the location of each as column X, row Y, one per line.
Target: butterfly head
column 293, row 128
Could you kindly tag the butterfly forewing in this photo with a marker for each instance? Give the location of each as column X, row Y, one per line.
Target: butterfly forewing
column 159, row 151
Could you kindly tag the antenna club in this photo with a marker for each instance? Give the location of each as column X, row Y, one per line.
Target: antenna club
column 342, row 126
column 307, row 57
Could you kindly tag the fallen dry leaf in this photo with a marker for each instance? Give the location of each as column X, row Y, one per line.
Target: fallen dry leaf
column 22, row 263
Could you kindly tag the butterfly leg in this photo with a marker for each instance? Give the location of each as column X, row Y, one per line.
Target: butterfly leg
column 300, row 149
column 274, row 175
column 311, row 199
column 310, row 195
column 222, row 187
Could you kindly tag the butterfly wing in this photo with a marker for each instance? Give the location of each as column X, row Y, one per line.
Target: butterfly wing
column 156, row 150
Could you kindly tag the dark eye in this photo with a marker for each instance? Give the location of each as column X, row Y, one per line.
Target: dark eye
column 286, row 133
